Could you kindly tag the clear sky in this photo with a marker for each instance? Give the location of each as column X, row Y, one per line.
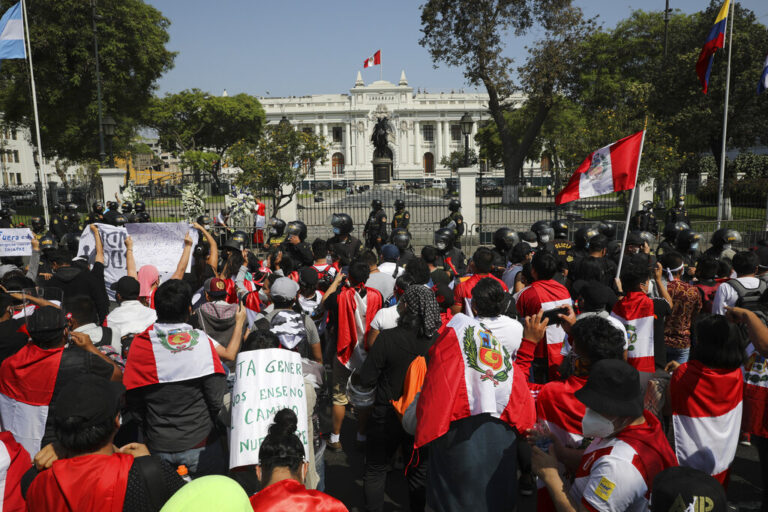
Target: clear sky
column 298, row 47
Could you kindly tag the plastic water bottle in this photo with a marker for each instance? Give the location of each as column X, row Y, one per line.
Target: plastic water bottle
column 184, row 473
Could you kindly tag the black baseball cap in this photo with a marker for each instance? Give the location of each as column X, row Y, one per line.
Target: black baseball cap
column 46, row 319
column 89, row 398
column 308, row 277
column 595, row 294
column 612, row 388
column 127, row 287
column 683, row 488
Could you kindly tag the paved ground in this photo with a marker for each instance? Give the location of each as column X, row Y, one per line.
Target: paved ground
column 344, row 478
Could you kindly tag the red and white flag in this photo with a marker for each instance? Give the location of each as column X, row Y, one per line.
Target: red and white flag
column 609, row 169
column 14, row 462
column 635, row 311
column 170, row 353
column 355, row 316
column 27, row 381
column 755, row 394
column 706, row 413
column 373, row 60
column 471, row 372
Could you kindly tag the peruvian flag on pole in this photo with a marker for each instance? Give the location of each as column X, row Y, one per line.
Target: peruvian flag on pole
column 373, row 60
column 609, row 169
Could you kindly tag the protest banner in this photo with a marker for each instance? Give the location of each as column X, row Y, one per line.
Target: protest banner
column 158, row 244
column 15, row 242
column 266, row 381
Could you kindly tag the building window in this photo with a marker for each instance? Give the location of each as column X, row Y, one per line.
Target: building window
column 337, row 137
column 428, row 132
column 456, row 132
column 429, row 163
column 13, row 134
column 337, row 164
column 16, row 156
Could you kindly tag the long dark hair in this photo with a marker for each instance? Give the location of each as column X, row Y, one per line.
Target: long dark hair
column 282, row 448
column 717, row 343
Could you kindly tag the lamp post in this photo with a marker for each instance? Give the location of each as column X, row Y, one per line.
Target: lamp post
column 102, row 153
column 284, row 122
column 466, row 129
column 108, row 126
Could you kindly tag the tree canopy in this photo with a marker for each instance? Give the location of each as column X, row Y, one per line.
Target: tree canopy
column 132, row 56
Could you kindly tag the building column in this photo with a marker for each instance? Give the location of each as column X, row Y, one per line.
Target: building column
column 325, row 130
column 438, row 143
column 416, row 143
column 405, row 153
column 447, row 138
column 347, row 144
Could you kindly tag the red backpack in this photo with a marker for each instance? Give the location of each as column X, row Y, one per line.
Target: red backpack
column 707, row 293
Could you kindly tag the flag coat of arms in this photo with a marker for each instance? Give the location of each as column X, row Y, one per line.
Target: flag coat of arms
column 715, row 40
column 706, row 413
column 373, row 60
column 609, row 169
column 635, row 311
column 170, row 353
column 27, row 381
column 471, row 372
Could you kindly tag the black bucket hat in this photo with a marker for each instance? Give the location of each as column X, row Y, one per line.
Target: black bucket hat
column 613, row 389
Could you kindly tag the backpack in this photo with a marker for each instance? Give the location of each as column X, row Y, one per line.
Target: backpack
column 324, row 278
column 753, row 300
column 414, row 380
column 291, row 331
column 707, row 293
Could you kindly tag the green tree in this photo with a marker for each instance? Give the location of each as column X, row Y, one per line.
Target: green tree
column 471, row 35
column 132, row 55
column 193, row 120
column 456, row 159
column 278, row 162
column 196, row 161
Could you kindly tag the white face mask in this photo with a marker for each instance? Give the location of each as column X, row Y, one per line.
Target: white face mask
column 695, row 246
column 596, row 425
column 441, row 245
column 727, row 247
column 336, row 231
column 544, row 239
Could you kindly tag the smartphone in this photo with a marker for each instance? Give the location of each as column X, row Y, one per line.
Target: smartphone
column 552, row 315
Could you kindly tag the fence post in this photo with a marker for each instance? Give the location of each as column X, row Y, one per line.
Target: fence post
column 468, row 198
column 289, row 212
column 111, row 179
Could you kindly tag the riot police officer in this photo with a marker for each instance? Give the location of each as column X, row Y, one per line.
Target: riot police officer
column 72, row 218
column 342, row 243
column 454, row 221
column 37, row 224
column 644, row 220
column 450, row 258
column 561, row 243
column 670, row 236
column 677, row 213
column 402, row 217
column 295, row 245
column 722, row 242
column 375, row 231
column 401, row 239
column 6, row 220
column 544, row 235
column 56, row 226
column 687, row 244
column 580, row 241
column 97, row 213
column 127, row 210
column 504, row 239
column 142, row 215
column 276, row 229
column 111, row 213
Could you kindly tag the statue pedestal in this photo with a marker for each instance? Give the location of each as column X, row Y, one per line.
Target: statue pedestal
column 382, row 170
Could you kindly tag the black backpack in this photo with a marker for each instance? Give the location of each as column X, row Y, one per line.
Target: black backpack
column 752, row 299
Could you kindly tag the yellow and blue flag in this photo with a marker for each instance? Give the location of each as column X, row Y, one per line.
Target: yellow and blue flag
column 715, row 40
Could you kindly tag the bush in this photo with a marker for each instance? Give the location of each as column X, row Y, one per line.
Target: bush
column 746, row 192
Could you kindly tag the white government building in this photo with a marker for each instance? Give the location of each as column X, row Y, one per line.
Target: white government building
column 426, row 127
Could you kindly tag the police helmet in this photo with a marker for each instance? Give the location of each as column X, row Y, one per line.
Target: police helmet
column 606, row 229
column 276, row 227
column 504, row 239
column 560, row 227
column 647, row 237
column 454, row 205
column 48, row 242
column 37, row 223
column 72, row 207
column 444, row 239
column 70, row 241
column 143, row 217
column 582, row 236
column 686, row 240
column 97, row 207
column 680, row 200
column 647, row 206
column 376, row 204
column 399, row 204
column 341, row 223
column 401, row 239
column 725, row 236
column 120, row 220
column 672, row 229
column 204, row 220
column 237, row 241
column 544, row 232
column 139, row 206
column 298, row 228
column 126, row 207
column 57, row 208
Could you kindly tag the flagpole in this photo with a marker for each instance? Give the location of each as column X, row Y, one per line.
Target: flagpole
column 631, row 202
column 40, row 174
column 721, row 185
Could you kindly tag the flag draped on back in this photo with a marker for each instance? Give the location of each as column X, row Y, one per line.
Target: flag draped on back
column 355, row 316
column 12, row 34
column 373, row 60
column 706, row 409
column 755, row 394
column 635, row 311
column 762, row 85
column 715, row 40
column 609, row 169
column 471, row 372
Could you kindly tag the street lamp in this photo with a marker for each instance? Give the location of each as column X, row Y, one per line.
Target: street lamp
column 284, row 122
column 466, row 128
column 108, row 125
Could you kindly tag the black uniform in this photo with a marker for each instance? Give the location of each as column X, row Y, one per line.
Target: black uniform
column 453, row 261
column 562, row 249
column 405, row 256
column 677, row 214
column 57, row 226
column 665, row 246
column 375, row 231
column 300, row 253
column 94, row 218
column 274, row 241
column 401, row 219
column 347, row 250
column 644, row 220
column 111, row 217
column 455, row 221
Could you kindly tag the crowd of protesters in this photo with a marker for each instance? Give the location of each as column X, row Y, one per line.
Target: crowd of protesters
column 530, row 367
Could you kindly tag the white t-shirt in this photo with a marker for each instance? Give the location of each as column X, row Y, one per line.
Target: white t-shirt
column 96, row 333
column 727, row 296
column 386, row 318
column 131, row 317
column 508, row 331
column 391, row 268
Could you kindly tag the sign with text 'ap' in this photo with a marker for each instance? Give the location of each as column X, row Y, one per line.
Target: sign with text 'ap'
column 266, row 381
column 15, row 242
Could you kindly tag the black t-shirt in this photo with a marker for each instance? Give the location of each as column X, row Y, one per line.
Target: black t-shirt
column 661, row 310
column 11, row 340
column 195, row 281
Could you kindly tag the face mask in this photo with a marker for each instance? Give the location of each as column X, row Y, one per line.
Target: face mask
column 633, row 249
column 695, row 246
column 441, row 246
column 273, row 231
column 544, row 239
column 336, row 231
column 727, row 247
column 596, row 425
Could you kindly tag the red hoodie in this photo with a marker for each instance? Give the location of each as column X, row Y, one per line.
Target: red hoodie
column 82, row 484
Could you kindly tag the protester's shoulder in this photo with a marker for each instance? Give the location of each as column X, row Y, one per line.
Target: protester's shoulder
column 137, row 495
